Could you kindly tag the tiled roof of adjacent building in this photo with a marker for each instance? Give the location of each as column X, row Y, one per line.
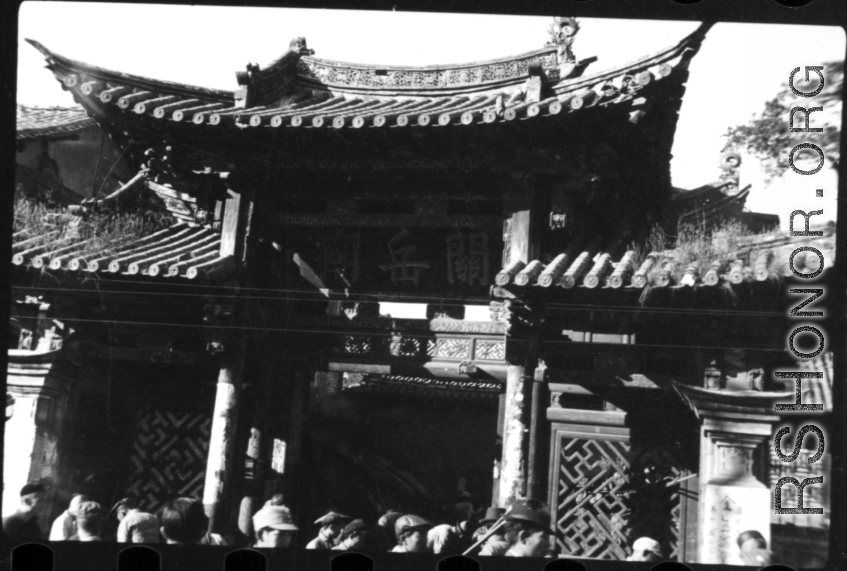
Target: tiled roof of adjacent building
column 38, row 122
column 608, row 264
column 180, row 250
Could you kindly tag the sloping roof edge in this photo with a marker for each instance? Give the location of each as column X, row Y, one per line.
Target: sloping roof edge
column 43, row 122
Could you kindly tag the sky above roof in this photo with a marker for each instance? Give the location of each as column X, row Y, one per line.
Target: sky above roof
column 739, row 67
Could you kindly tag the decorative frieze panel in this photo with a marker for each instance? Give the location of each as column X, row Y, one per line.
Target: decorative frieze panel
column 437, row 325
column 495, row 72
column 421, row 348
column 490, row 350
column 449, row 348
column 465, row 384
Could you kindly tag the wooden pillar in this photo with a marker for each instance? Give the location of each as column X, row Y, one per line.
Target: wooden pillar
column 519, row 245
column 536, row 469
column 515, row 437
column 220, row 464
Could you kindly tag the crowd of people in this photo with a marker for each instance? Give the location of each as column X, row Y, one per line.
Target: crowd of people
column 524, row 530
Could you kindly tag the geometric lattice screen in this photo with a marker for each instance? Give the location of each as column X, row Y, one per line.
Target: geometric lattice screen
column 609, row 493
column 169, row 457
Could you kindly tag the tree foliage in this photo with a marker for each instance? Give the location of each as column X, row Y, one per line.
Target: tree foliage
column 767, row 135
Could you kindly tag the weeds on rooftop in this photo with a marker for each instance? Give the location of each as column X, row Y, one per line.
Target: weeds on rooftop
column 698, row 244
column 97, row 234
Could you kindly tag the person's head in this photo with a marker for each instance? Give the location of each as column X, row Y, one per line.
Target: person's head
column 123, row 507
column 89, row 516
column 31, row 495
column 645, row 549
column 528, row 528
column 491, row 516
column 276, row 500
column 354, row 536
column 527, row 539
column 184, row 521
column 76, row 500
column 388, row 520
column 332, row 524
column 754, row 548
column 411, row 533
column 274, row 526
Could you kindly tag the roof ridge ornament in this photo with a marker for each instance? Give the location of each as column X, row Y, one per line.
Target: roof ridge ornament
column 298, row 45
column 562, row 33
column 267, row 84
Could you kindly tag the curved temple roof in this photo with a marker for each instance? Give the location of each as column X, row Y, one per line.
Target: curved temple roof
column 298, row 91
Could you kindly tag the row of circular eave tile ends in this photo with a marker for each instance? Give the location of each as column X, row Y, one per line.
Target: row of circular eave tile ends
column 315, row 110
column 182, row 247
column 656, row 270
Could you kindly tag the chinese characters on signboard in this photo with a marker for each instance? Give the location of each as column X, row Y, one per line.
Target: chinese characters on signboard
column 467, row 258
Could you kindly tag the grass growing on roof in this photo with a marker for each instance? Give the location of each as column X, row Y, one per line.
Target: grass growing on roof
column 100, row 234
column 696, row 243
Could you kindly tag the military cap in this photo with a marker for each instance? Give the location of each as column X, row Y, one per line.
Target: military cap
column 274, row 517
column 332, row 517
column 355, row 526
column 410, row 523
column 89, row 510
column 492, row 515
column 533, row 511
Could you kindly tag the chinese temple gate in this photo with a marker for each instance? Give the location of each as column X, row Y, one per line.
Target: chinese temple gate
column 280, row 215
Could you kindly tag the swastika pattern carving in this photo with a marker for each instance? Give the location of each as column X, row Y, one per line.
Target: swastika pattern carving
column 168, row 457
column 450, row 348
column 610, row 493
column 490, row 350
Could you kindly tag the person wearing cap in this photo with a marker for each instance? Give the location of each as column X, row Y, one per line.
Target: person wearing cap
column 528, row 529
column 496, row 543
column 383, row 537
column 645, row 549
column 135, row 525
column 754, row 549
column 276, row 500
column 331, row 526
column 274, row 526
column 23, row 524
column 353, row 537
column 64, row 526
column 89, row 517
column 184, row 521
column 492, row 514
column 463, row 509
column 411, row 534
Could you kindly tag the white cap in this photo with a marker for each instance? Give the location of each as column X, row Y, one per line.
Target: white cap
column 647, row 544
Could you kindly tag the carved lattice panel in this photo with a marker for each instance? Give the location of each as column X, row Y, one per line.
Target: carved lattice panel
column 609, row 493
column 450, row 348
column 490, row 350
column 168, row 457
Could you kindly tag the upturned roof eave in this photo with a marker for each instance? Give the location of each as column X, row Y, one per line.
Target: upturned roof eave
column 226, row 96
column 103, row 74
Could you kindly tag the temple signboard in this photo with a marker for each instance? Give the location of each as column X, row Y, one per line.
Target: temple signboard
column 385, row 259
